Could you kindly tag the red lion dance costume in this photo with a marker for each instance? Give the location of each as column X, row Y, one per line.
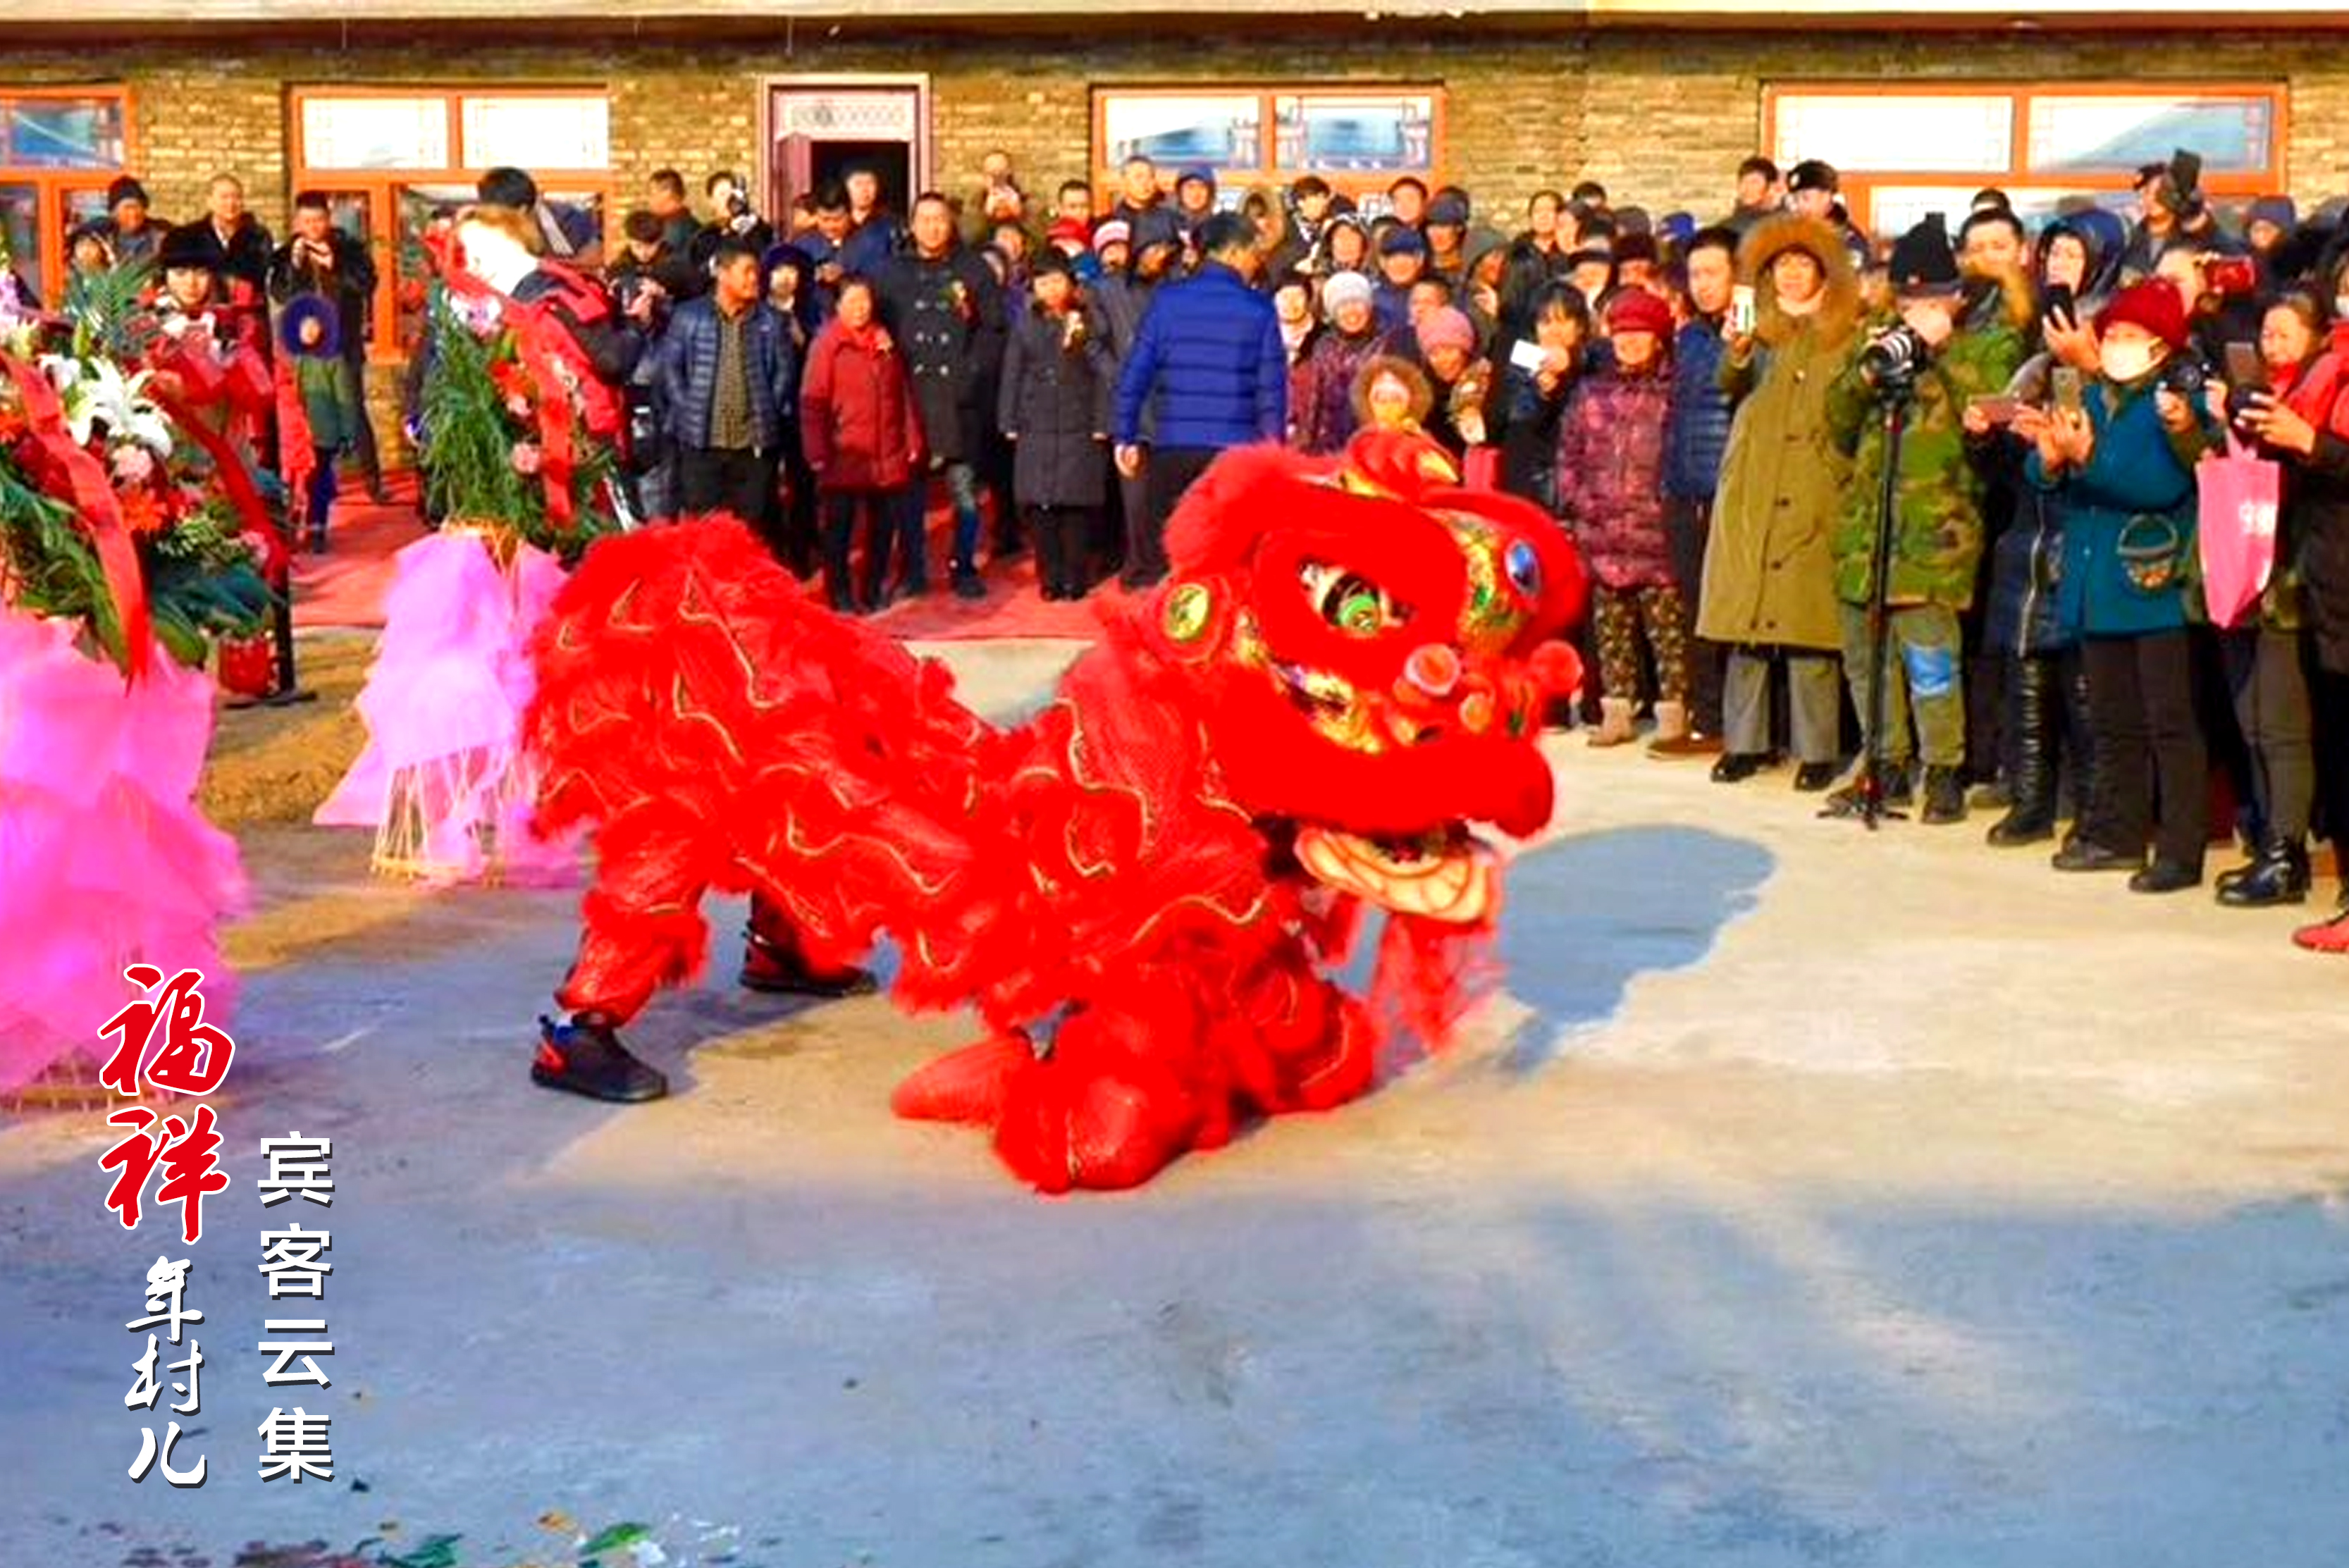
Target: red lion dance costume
column 1139, row 890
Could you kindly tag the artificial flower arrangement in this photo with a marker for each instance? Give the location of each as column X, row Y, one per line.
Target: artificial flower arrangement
column 504, row 442
column 114, row 515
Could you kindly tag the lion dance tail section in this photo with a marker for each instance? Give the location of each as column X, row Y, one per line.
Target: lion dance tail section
column 720, row 732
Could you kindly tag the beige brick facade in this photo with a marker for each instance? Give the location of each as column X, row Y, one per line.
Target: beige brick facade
column 1660, row 114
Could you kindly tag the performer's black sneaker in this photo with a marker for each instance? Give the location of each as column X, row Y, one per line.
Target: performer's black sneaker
column 586, row 1057
column 768, row 969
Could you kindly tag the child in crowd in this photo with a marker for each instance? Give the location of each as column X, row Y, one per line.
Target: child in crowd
column 1611, row 472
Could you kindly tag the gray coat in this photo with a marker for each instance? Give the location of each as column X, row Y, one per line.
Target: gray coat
column 1055, row 405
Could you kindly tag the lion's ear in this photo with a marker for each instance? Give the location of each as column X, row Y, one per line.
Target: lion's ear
column 1244, row 494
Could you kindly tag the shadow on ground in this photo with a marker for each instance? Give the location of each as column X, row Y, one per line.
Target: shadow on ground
column 1586, row 915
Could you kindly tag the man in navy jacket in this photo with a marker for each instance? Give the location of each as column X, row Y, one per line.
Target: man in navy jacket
column 727, row 371
column 1209, row 366
column 1695, row 436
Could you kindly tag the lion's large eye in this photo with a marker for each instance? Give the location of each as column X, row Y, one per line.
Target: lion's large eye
column 1524, row 564
column 1353, row 604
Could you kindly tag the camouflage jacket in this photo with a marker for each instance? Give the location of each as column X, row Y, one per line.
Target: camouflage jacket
column 1937, row 536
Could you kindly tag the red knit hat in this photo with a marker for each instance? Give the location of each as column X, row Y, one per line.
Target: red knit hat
column 2154, row 305
column 1070, row 232
column 1637, row 310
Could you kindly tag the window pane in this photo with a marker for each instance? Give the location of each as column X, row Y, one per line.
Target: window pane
column 20, row 226
column 64, row 133
column 375, row 133
column 1857, row 133
column 76, row 208
column 1894, row 210
column 1221, row 132
column 2234, row 135
column 538, row 132
column 1366, row 134
column 417, row 206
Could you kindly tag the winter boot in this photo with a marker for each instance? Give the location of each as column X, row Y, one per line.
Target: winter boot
column 2034, row 721
column 2279, row 876
column 1672, row 728
column 1945, row 796
column 1614, row 722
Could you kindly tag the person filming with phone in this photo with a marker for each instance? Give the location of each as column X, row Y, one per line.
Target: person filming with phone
column 2114, row 454
column 2296, row 405
column 1924, row 356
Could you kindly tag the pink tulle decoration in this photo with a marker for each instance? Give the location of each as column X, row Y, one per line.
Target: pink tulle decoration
column 444, row 781
column 105, row 860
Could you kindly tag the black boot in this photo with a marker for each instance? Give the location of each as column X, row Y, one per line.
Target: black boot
column 585, row 1057
column 1945, row 796
column 2033, row 720
column 838, row 531
column 1051, row 568
column 2279, row 876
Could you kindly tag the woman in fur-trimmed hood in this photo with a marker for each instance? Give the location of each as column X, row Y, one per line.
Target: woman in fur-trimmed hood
column 1769, row 574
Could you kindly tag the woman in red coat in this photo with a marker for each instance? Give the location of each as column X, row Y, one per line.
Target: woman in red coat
column 863, row 436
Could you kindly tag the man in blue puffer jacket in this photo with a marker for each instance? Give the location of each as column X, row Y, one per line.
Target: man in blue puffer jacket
column 1694, row 438
column 1209, row 366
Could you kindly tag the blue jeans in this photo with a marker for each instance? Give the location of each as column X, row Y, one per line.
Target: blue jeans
column 913, row 530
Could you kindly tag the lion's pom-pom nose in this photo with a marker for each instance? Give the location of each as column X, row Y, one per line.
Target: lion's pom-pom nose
column 1557, row 668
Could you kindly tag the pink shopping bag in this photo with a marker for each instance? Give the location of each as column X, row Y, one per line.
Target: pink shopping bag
column 2236, row 527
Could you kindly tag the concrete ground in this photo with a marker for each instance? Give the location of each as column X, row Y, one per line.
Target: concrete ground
column 1811, row 1198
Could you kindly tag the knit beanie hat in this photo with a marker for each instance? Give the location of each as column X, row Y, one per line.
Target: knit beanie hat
column 1637, row 310
column 2154, row 305
column 1116, row 231
column 1446, row 328
column 1342, row 287
column 126, row 189
column 2276, row 209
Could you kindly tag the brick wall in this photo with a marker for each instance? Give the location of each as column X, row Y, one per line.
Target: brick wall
column 1661, row 116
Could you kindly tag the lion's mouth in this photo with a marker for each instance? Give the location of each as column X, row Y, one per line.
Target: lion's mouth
column 1448, row 874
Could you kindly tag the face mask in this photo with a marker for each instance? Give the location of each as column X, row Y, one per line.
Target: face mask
column 2126, row 362
column 2341, row 308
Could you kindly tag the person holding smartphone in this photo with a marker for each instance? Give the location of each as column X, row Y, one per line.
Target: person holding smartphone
column 2117, row 467
column 1769, row 575
column 2301, row 420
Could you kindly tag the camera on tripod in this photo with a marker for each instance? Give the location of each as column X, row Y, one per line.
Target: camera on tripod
column 1893, row 360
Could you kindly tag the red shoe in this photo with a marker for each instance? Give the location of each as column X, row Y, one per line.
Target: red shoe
column 2327, row 936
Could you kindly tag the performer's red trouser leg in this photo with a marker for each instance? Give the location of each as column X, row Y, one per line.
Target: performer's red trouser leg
column 641, row 922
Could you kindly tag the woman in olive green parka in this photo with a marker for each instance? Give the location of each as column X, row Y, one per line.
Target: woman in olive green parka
column 1769, row 573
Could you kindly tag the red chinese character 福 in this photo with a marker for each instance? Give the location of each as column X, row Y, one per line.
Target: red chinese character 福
column 194, row 1057
column 190, row 1158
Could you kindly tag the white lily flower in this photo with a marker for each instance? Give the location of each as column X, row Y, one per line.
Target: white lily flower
column 95, row 391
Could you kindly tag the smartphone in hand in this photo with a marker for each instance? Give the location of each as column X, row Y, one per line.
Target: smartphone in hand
column 2246, row 371
column 1998, row 407
column 2065, row 379
column 1743, row 313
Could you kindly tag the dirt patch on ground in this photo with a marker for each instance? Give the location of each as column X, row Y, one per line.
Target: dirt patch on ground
column 276, row 764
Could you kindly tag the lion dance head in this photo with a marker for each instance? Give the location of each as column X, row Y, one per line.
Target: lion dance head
column 1377, row 643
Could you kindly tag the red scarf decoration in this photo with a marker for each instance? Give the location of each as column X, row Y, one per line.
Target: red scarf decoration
column 95, row 505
